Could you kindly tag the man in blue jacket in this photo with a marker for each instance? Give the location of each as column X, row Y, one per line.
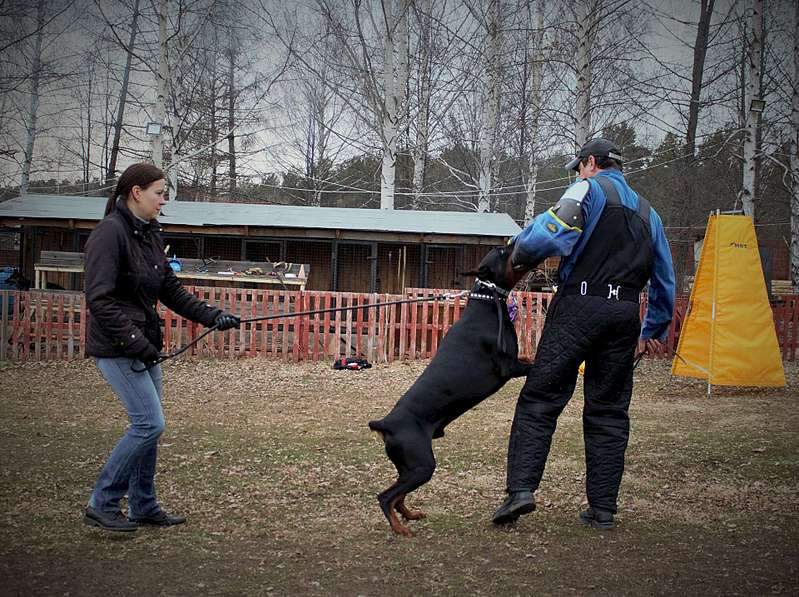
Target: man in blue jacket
column 611, row 243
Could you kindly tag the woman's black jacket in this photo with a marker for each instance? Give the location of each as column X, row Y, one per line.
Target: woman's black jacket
column 126, row 274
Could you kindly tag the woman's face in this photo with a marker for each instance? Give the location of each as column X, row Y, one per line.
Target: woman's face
column 147, row 202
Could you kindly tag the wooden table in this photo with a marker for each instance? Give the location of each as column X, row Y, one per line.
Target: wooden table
column 293, row 276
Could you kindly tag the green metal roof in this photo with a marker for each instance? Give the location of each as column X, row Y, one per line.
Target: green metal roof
column 190, row 213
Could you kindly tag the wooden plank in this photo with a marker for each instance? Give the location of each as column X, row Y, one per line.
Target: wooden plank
column 284, row 325
column 15, row 326
column 539, row 319
column 273, row 323
column 84, row 322
column 425, row 330
column 5, row 300
column 262, row 309
column 436, row 326
column 371, row 344
column 314, row 334
column 381, row 314
column 58, row 331
column 358, row 324
column 71, row 325
column 328, row 303
column 445, row 323
column 46, row 325
column 390, row 347
column 36, row 311
column 348, row 327
column 403, row 330
column 414, row 309
column 298, row 331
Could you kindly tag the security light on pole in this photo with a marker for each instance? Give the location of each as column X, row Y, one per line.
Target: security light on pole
column 757, row 105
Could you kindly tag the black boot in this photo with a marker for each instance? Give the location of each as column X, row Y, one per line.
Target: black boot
column 159, row 519
column 516, row 504
column 599, row 519
column 110, row 521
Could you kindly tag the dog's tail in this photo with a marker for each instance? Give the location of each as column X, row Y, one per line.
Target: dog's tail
column 379, row 425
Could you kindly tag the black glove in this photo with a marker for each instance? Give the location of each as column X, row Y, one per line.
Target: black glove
column 225, row 321
column 149, row 355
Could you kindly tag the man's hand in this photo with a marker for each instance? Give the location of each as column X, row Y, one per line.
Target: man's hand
column 648, row 346
column 225, row 321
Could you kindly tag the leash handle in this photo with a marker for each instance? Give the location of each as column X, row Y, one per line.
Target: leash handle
column 163, row 357
column 147, row 366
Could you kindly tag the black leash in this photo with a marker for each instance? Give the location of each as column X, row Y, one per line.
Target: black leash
column 165, row 357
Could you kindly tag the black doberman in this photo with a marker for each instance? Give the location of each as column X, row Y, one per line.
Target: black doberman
column 476, row 358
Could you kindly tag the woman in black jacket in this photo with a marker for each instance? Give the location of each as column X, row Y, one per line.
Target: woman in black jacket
column 126, row 274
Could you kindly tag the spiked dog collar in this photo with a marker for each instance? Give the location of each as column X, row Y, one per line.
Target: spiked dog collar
column 496, row 291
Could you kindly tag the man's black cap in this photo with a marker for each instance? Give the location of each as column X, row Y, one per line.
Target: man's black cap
column 600, row 148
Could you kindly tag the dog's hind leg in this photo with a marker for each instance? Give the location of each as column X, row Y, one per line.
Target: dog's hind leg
column 393, row 498
column 408, row 514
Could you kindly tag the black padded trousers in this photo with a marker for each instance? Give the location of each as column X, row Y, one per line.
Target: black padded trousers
column 603, row 333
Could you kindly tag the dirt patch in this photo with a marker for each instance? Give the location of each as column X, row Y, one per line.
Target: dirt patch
column 275, row 468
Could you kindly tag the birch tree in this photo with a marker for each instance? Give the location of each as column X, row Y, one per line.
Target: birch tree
column 753, row 86
column 794, row 158
column 424, row 18
column 536, row 22
column 33, row 111
column 587, row 24
column 491, row 86
column 361, row 30
column 162, row 75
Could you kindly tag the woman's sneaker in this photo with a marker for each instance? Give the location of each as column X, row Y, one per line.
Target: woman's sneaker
column 110, row 521
column 599, row 519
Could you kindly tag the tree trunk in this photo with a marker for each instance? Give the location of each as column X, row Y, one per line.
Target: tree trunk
column 87, row 154
column 586, row 32
column 754, row 71
column 423, row 115
column 795, row 157
column 214, row 131
column 36, row 75
column 159, row 113
column 490, row 107
column 231, row 120
column 536, row 78
column 389, row 116
column 321, row 135
column 111, row 172
column 700, row 52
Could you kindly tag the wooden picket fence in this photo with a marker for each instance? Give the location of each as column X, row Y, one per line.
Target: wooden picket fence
column 48, row 325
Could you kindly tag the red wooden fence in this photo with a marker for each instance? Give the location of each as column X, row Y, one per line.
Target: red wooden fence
column 46, row 325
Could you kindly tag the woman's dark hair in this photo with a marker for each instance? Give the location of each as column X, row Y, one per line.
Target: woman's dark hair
column 141, row 175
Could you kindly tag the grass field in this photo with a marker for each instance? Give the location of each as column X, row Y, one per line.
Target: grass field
column 277, row 473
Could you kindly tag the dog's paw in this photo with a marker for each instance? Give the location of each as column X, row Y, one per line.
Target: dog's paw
column 413, row 515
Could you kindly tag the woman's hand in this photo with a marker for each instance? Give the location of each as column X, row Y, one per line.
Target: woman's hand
column 149, row 355
column 225, row 321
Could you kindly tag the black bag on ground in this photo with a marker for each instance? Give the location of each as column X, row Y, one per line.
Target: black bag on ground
column 354, row 363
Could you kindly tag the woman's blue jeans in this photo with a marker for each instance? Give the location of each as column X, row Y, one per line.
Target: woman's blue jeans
column 131, row 467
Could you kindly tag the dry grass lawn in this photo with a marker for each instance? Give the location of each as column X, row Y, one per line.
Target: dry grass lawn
column 277, row 472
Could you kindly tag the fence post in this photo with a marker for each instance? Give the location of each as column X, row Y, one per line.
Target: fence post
column 4, row 302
